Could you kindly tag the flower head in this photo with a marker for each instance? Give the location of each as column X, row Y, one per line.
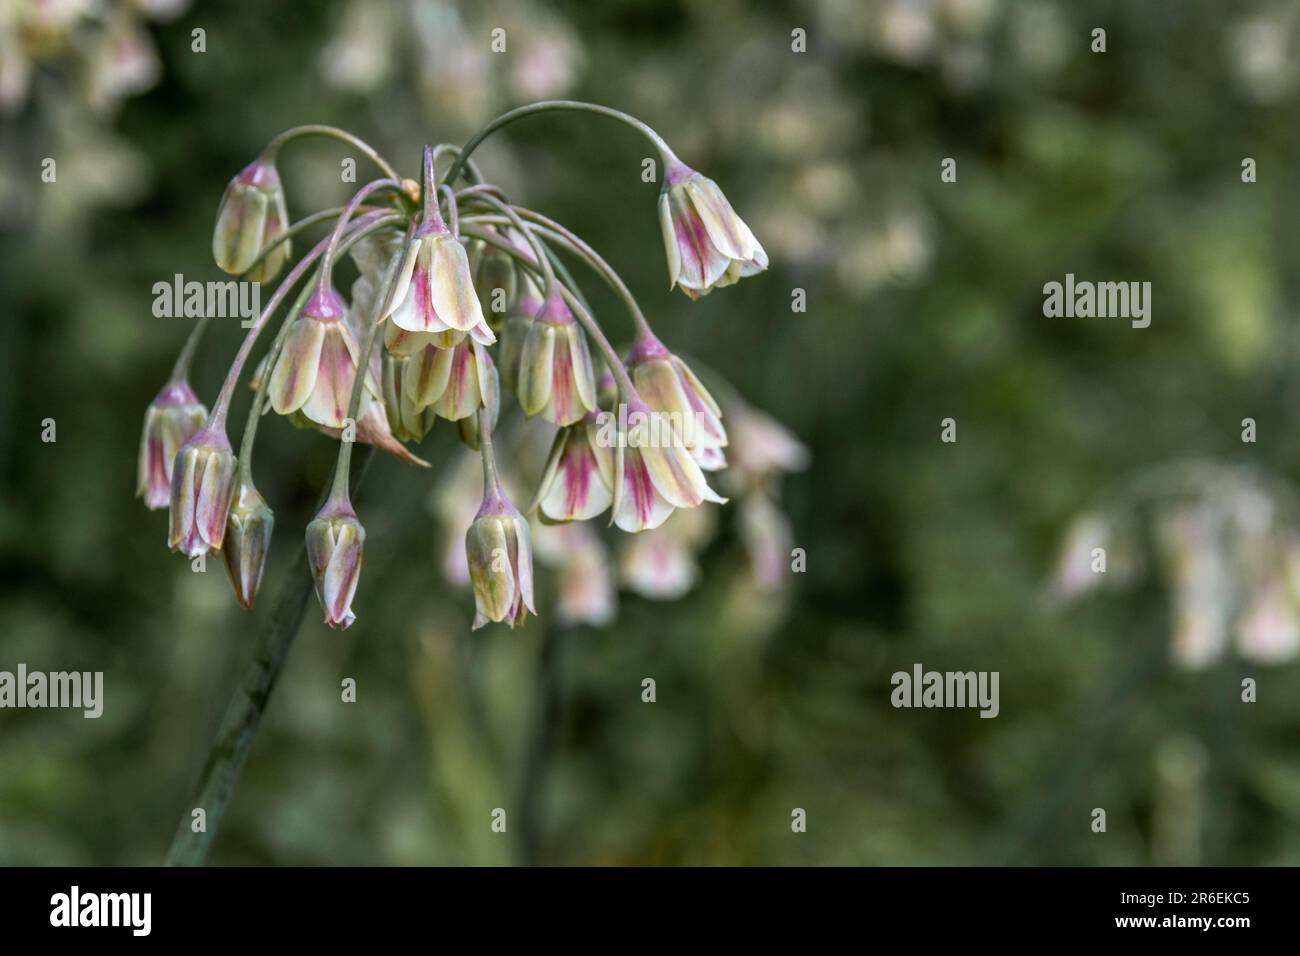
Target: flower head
column 500, row 562
column 335, row 540
column 317, row 364
column 173, row 416
column 248, row 539
column 202, row 486
column 707, row 244
column 555, row 378
column 251, row 215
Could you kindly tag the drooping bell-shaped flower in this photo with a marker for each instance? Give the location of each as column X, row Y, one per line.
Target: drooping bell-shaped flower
column 578, row 482
column 172, row 418
column 707, row 244
column 202, row 486
column 251, row 215
column 555, row 377
column 469, row 382
column 669, row 386
column 434, row 289
column 335, row 540
column 500, row 559
column 247, row 542
column 317, row 363
column 653, row 470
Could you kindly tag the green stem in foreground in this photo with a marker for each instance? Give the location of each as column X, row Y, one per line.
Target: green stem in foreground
column 243, row 716
column 665, row 153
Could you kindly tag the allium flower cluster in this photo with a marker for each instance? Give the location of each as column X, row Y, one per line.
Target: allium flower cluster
column 452, row 272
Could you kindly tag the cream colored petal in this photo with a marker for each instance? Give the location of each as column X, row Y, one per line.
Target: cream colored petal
column 536, row 367
column 296, row 368
column 451, row 288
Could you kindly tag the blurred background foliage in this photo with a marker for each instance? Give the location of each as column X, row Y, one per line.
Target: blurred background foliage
column 924, row 302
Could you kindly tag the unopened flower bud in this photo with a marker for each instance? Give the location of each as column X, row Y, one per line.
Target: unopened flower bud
column 500, row 561
column 335, row 540
column 317, row 362
column 172, row 418
column 707, row 244
column 252, row 214
column 202, row 486
column 248, row 539
column 555, row 375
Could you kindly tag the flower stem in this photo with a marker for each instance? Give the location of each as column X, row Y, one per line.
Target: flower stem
column 665, row 153
column 339, row 491
column 570, row 240
column 333, row 132
column 332, row 249
column 243, row 716
column 575, row 302
column 181, row 370
column 222, row 406
column 491, row 478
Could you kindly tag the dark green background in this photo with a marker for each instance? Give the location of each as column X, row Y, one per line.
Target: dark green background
column 1122, row 166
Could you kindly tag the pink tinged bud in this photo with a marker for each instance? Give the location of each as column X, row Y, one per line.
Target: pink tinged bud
column 555, row 377
column 579, row 479
column 248, row 540
column 500, row 560
column 317, row 363
column 251, row 215
column 468, row 384
column 668, row 385
column 171, row 419
column 202, row 486
column 335, row 540
column 707, row 244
